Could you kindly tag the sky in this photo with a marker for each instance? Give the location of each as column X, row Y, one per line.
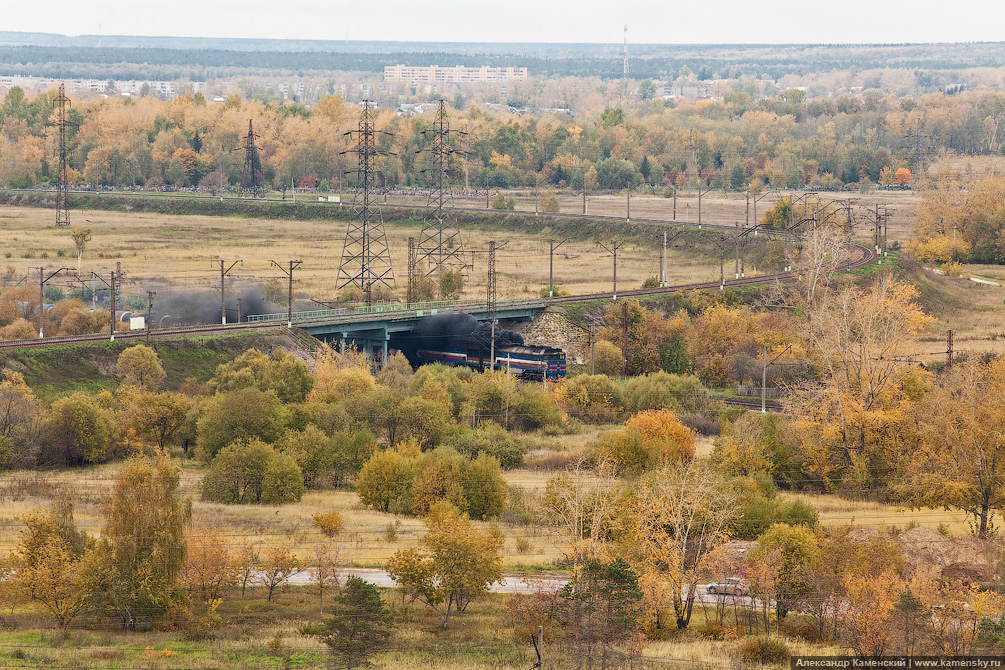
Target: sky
column 649, row 21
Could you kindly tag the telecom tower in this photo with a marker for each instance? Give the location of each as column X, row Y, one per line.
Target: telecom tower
column 62, row 190
column 252, row 163
column 626, row 52
column 440, row 241
column 366, row 259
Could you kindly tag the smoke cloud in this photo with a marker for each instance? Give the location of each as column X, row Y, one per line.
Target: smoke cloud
column 452, row 331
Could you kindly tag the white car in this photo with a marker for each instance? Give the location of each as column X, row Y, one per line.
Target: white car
column 733, row 586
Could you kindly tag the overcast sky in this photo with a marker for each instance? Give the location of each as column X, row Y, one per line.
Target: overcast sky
column 650, row 21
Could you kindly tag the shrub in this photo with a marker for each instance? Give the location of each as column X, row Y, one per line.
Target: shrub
column 649, row 440
column 537, row 408
column 237, row 474
column 764, row 650
column 422, row 420
column 139, row 366
column 484, row 487
column 245, row 414
column 384, row 483
column 607, row 359
column 283, row 482
column 329, row 523
column 661, row 390
column 593, row 398
column 76, row 431
column 281, row 372
column 489, row 438
column 760, row 509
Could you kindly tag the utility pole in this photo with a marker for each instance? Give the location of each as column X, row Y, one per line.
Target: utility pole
column 624, row 334
column 366, row 258
column 613, row 250
column 949, row 348
column 43, row 279
column 252, row 162
column 628, row 213
column 288, row 272
column 664, row 257
column 440, row 239
column 764, row 373
column 63, row 187
column 150, row 307
column 224, row 273
column 114, row 290
column 593, row 349
column 490, row 302
column 551, row 265
column 412, row 286
column 736, row 269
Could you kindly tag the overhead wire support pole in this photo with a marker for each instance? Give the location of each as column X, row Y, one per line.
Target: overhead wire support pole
column 764, row 373
column 366, row 258
column 613, row 250
column 412, row 287
column 150, row 307
column 293, row 265
column 224, row 273
column 490, row 302
column 551, row 265
column 43, row 279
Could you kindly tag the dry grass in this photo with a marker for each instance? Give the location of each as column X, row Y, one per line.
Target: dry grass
column 723, row 653
column 181, row 248
column 364, row 541
column 835, row 511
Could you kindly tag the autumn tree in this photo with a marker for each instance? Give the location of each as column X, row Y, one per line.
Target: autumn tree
column 136, row 568
column 961, row 460
column 210, row 567
column 47, row 564
column 359, row 626
column 868, row 619
column 76, row 431
column 283, row 373
column 278, row 565
column 20, row 422
column 80, row 236
column 242, row 415
column 158, row 416
column 853, row 425
column 455, row 565
column 650, row 439
column 677, row 517
column 795, row 548
column 139, row 366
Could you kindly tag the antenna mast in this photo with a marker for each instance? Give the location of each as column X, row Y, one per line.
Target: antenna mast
column 626, row 52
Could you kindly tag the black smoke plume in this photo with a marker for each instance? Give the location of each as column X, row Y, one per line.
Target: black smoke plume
column 452, row 331
column 203, row 307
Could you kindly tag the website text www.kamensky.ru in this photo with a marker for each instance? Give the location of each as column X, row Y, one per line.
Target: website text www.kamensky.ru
column 898, row 662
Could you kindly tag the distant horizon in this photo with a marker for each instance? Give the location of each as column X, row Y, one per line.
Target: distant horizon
column 592, row 22
column 123, row 36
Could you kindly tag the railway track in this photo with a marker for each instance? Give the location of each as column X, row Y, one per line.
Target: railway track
column 859, row 256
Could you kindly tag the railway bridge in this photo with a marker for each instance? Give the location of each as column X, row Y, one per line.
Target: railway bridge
column 372, row 328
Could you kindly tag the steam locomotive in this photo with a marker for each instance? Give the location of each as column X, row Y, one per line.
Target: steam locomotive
column 531, row 363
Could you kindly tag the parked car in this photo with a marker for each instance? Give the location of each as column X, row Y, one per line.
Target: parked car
column 733, row 586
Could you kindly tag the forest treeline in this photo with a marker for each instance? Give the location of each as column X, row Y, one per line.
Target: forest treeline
column 785, row 141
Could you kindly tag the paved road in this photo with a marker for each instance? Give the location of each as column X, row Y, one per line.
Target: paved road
column 509, row 584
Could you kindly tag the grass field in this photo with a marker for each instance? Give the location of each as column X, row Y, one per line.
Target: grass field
column 154, row 248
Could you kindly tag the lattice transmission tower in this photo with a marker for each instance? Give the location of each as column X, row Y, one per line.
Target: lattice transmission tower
column 366, row 259
column 63, row 188
column 252, row 177
column 440, row 241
